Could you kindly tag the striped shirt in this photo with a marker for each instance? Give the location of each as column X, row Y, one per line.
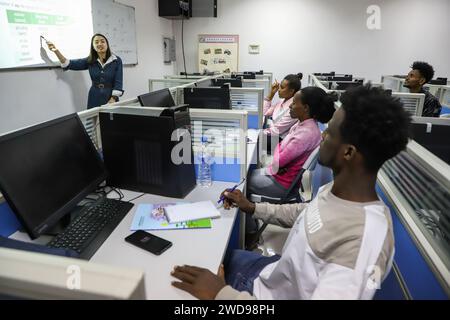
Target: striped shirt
column 431, row 105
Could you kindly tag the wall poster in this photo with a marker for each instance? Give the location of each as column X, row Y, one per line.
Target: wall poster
column 218, row 52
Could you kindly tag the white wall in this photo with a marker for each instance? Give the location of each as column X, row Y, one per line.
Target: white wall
column 28, row 97
column 328, row 35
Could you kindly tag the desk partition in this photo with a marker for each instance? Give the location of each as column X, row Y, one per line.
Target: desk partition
column 267, row 76
column 158, row 84
column 225, row 129
column 257, row 83
column 392, row 83
column 250, row 100
column 445, row 99
column 396, row 84
column 415, row 184
column 413, row 102
column 227, row 132
column 314, row 81
column 245, row 99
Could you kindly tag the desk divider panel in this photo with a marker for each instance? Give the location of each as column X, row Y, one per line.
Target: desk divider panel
column 257, row 83
column 413, row 102
column 227, row 134
column 391, row 82
column 250, row 100
column 445, row 96
column 230, row 144
column 8, row 220
column 158, row 84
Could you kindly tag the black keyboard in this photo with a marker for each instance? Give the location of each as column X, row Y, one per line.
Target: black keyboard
column 92, row 227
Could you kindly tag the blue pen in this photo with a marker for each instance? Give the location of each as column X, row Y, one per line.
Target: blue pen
column 231, row 190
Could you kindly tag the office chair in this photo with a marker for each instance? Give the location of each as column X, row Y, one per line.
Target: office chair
column 300, row 190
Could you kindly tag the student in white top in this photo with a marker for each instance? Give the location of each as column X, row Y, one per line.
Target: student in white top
column 341, row 244
column 281, row 120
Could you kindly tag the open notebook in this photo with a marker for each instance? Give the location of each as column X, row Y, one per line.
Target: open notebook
column 191, row 211
column 152, row 217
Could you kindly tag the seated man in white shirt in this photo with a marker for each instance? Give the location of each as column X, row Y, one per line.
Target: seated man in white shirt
column 341, row 244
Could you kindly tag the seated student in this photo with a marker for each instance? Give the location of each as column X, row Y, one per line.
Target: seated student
column 279, row 112
column 420, row 74
column 309, row 105
column 337, row 240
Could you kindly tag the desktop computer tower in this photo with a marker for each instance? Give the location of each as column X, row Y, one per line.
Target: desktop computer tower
column 137, row 150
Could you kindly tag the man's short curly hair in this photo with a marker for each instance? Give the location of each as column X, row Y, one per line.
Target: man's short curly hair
column 425, row 69
column 375, row 123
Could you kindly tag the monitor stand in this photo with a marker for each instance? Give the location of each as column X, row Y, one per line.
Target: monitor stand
column 63, row 223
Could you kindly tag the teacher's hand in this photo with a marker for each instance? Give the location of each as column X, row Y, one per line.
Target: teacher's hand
column 111, row 100
column 51, row 46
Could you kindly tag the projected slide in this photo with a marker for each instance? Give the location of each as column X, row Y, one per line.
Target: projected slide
column 67, row 23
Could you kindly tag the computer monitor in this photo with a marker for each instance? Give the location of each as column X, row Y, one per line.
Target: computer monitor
column 260, row 72
column 248, row 75
column 160, row 98
column 346, row 77
column 208, row 98
column 138, row 146
column 325, row 74
column 344, row 85
column 31, row 275
column 234, row 82
column 432, row 134
column 439, row 81
column 46, row 170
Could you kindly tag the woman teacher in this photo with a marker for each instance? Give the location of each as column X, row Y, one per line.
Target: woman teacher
column 105, row 69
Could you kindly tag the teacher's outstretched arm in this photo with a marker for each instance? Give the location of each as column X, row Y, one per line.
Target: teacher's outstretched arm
column 53, row 48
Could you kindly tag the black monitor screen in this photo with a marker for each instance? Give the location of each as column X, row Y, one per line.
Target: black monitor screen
column 435, row 141
column 250, row 75
column 260, row 72
column 45, row 170
column 160, row 98
column 344, row 85
column 439, row 81
column 208, row 98
column 340, row 78
column 234, row 82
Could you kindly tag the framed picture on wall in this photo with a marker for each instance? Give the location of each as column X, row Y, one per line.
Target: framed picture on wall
column 218, row 52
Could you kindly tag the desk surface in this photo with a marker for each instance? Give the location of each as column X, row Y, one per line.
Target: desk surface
column 200, row 247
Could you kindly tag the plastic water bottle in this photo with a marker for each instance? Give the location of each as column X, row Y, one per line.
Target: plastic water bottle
column 204, row 167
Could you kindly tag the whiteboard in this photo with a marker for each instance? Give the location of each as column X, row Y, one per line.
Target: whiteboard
column 117, row 22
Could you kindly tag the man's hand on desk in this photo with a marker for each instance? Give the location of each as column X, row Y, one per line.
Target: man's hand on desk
column 236, row 198
column 201, row 283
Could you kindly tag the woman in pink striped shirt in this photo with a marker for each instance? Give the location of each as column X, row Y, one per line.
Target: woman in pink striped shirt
column 309, row 105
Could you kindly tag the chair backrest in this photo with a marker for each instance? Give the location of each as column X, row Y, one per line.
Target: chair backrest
column 311, row 162
column 309, row 165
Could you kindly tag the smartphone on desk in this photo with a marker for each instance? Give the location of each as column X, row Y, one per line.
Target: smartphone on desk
column 149, row 242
